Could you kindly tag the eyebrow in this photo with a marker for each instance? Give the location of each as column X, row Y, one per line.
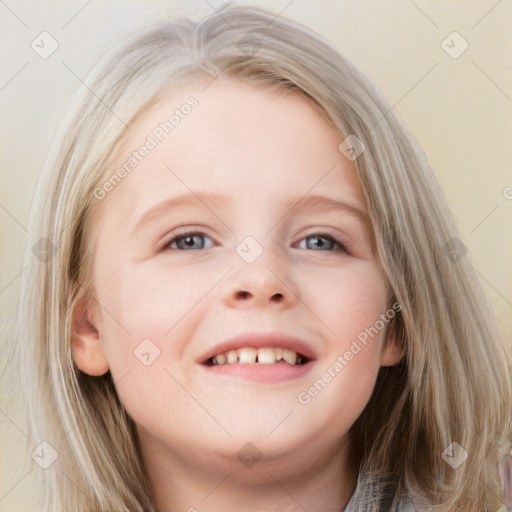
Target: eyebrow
column 207, row 199
column 327, row 204
column 213, row 200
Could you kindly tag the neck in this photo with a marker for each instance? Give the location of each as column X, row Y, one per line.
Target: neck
column 303, row 480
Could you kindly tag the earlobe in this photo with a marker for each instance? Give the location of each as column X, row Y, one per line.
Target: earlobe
column 391, row 354
column 86, row 343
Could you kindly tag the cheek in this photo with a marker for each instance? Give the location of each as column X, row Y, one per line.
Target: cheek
column 148, row 314
column 153, row 297
column 348, row 298
column 151, row 301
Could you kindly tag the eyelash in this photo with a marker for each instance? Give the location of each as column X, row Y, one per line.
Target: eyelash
column 319, row 234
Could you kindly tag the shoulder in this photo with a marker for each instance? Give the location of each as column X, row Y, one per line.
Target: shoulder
column 374, row 496
column 376, row 505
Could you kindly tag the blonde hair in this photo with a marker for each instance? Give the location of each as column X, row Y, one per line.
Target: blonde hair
column 453, row 383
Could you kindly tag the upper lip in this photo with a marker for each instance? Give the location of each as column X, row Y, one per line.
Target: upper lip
column 260, row 340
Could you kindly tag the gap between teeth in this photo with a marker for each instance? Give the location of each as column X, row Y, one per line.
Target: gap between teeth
column 267, row 355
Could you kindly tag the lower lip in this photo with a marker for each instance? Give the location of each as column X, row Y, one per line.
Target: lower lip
column 277, row 372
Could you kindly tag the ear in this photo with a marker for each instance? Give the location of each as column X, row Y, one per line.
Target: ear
column 85, row 341
column 392, row 350
column 391, row 354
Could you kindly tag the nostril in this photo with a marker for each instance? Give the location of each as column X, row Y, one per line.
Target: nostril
column 244, row 295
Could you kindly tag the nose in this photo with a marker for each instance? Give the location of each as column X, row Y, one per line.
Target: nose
column 264, row 282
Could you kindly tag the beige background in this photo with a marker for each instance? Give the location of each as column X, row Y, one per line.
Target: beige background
column 459, row 109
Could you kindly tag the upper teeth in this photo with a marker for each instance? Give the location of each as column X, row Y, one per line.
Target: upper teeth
column 266, row 355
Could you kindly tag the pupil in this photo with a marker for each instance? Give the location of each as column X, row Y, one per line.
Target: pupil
column 318, row 242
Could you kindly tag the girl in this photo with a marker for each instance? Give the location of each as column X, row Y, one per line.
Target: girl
column 246, row 292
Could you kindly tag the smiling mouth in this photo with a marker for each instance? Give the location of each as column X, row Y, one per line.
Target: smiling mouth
column 264, row 356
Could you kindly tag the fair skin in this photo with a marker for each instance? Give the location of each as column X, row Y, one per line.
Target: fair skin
column 262, row 151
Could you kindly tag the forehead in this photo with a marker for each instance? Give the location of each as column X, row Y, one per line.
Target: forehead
column 236, row 138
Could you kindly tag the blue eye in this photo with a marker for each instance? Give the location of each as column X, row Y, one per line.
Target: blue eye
column 197, row 241
column 190, row 242
column 321, row 243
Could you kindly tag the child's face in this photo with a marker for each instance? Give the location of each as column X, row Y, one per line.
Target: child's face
column 244, row 162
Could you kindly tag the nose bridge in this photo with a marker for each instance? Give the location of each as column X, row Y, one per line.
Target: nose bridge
column 260, row 275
